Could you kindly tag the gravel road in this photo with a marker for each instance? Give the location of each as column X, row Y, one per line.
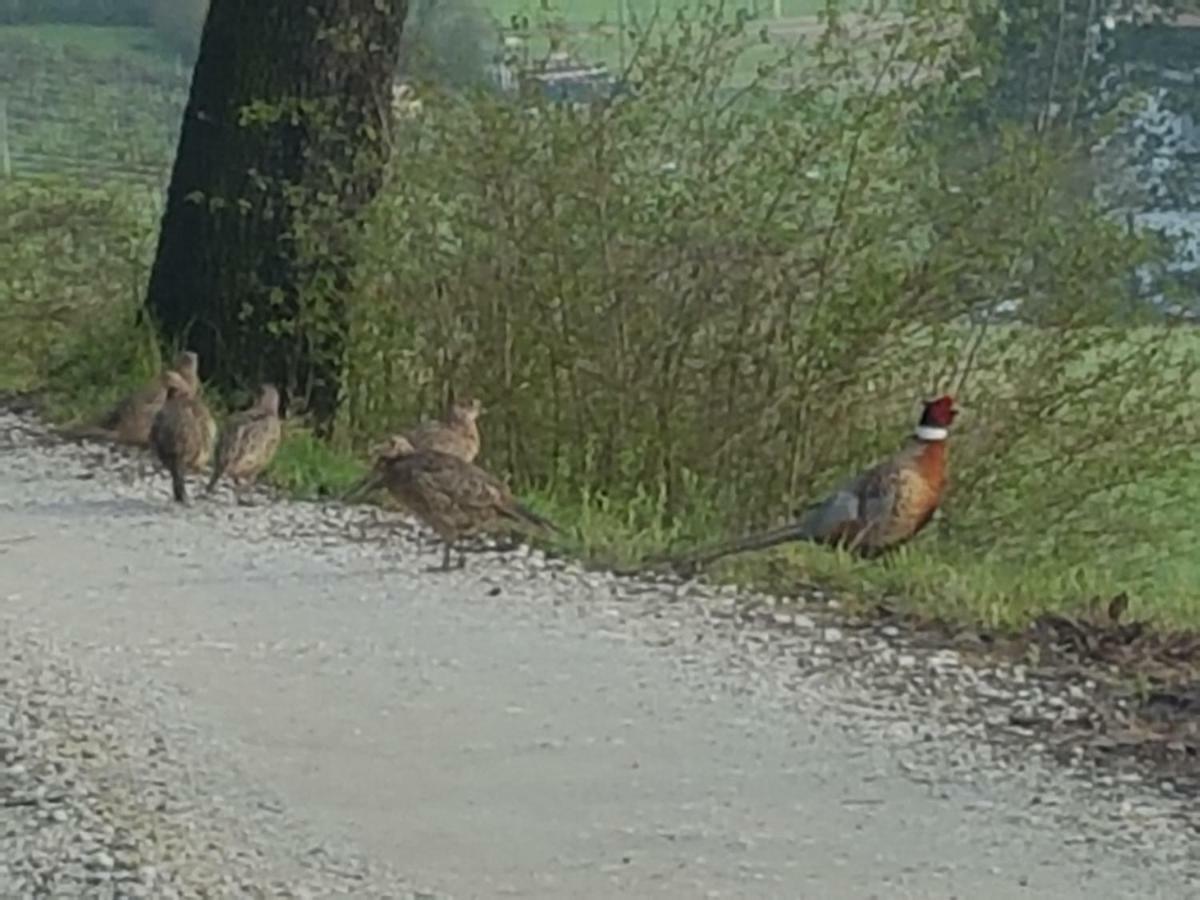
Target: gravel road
column 279, row 701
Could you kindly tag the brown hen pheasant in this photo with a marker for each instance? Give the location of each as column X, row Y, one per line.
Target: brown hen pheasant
column 248, row 441
column 457, row 434
column 877, row 510
column 453, row 497
column 129, row 422
column 182, row 433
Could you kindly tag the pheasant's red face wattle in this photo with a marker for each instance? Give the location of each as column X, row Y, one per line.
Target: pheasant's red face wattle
column 939, row 413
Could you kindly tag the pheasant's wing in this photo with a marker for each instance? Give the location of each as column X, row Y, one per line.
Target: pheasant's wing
column 440, row 488
column 438, row 437
column 261, row 441
column 232, row 440
column 149, row 396
column 426, row 436
column 484, row 494
column 160, row 430
column 838, row 513
column 854, row 510
column 175, row 433
column 198, row 436
column 210, row 422
column 878, row 490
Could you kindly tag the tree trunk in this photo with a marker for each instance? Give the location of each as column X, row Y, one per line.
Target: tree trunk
column 283, row 145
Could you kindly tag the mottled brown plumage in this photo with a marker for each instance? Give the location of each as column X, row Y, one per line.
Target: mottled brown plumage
column 182, row 433
column 453, row 497
column 130, row 421
column 457, row 434
column 874, row 512
column 248, row 441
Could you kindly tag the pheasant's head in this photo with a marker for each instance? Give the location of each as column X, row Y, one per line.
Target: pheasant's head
column 936, row 419
column 187, row 363
column 466, row 410
column 394, row 448
column 268, row 399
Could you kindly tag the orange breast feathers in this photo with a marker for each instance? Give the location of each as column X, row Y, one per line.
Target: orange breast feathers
column 922, row 487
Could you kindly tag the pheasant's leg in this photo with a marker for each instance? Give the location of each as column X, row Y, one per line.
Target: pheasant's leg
column 859, row 538
column 446, row 550
column 240, row 486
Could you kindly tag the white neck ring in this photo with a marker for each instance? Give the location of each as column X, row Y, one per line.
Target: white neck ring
column 929, row 433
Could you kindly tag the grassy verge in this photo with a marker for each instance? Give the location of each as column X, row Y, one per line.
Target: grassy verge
column 97, row 353
column 310, row 469
column 73, row 260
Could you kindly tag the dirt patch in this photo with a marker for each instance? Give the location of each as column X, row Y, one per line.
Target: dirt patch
column 1138, row 685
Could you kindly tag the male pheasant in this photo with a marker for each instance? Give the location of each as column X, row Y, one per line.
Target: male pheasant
column 876, row 511
column 129, row 422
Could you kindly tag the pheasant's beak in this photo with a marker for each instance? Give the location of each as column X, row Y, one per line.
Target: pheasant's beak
column 363, row 487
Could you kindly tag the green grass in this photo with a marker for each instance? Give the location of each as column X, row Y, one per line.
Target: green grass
column 589, row 12
column 932, row 578
column 309, row 469
column 69, row 92
column 133, row 44
column 74, row 260
column 68, row 87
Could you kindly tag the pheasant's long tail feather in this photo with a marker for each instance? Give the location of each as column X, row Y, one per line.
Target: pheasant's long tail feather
column 362, row 488
column 796, row 531
column 522, row 513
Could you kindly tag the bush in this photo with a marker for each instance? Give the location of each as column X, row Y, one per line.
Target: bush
column 692, row 307
column 726, row 296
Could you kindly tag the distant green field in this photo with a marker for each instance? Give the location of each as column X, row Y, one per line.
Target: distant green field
column 99, row 103
column 613, row 46
column 128, row 43
column 591, row 11
column 68, row 91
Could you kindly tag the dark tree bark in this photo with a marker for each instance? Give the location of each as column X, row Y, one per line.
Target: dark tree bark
column 283, row 145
